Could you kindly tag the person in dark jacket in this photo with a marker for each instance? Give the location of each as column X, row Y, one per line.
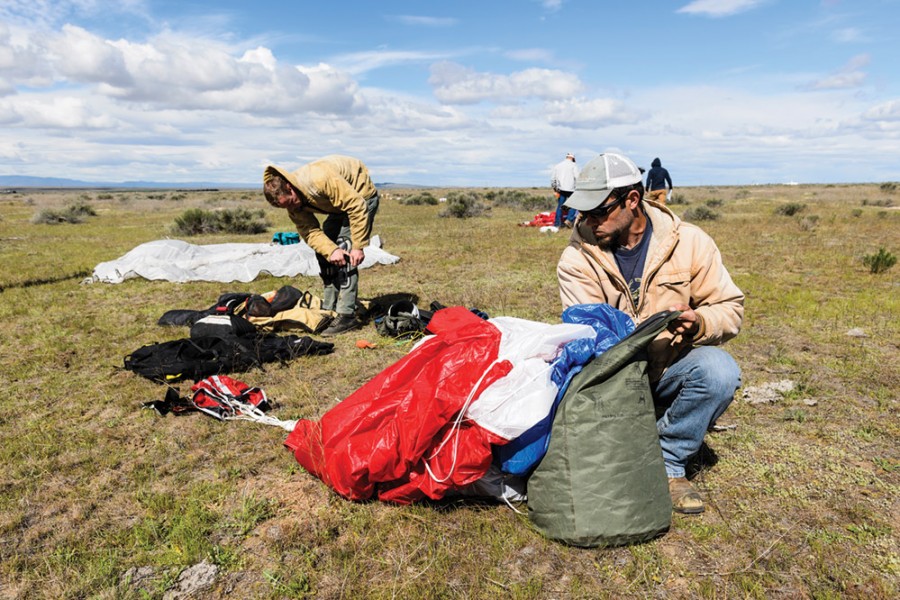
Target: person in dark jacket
column 657, row 178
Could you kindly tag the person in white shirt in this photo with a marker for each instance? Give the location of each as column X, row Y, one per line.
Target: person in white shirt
column 562, row 180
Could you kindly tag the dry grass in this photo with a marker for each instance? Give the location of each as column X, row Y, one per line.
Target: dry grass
column 803, row 494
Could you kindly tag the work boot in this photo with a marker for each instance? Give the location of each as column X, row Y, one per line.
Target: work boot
column 685, row 499
column 341, row 324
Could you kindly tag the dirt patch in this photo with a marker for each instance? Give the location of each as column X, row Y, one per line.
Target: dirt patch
column 192, row 580
column 768, row 393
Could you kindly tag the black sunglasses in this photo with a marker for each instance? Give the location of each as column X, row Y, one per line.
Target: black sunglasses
column 603, row 210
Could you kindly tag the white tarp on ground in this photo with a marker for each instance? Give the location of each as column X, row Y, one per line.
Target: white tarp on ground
column 178, row 261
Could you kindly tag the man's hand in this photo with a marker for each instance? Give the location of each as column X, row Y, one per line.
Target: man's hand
column 340, row 257
column 688, row 322
column 356, row 257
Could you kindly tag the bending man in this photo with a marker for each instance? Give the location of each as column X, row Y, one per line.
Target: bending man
column 340, row 188
column 641, row 258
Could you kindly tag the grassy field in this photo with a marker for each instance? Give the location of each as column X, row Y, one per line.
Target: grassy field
column 101, row 499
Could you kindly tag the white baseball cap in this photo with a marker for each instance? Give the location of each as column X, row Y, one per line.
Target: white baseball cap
column 601, row 176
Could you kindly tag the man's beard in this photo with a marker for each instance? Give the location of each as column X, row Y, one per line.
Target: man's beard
column 610, row 244
column 611, row 241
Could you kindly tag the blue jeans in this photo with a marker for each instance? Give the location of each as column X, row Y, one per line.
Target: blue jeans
column 570, row 213
column 693, row 392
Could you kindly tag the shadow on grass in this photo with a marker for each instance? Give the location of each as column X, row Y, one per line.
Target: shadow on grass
column 44, row 280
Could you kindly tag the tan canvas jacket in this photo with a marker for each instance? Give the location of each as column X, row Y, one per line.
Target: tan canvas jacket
column 330, row 185
column 683, row 266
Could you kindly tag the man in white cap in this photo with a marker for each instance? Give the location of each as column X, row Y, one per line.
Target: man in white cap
column 642, row 259
column 562, row 181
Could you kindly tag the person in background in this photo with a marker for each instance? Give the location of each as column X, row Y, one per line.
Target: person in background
column 340, row 188
column 562, row 180
column 657, row 178
column 641, row 258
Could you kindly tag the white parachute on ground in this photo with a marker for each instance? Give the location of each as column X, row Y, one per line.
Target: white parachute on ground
column 179, row 261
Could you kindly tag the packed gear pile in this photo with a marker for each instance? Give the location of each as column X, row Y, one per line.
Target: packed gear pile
column 438, row 421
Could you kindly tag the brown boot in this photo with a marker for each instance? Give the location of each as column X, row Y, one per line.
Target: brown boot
column 685, row 499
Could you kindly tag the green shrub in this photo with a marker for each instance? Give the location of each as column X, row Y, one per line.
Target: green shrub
column 885, row 202
column 678, row 198
column 81, row 209
column 714, row 202
column 888, row 187
column 856, row 212
column 519, row 199
column 790, row 209
column 104, row 196
column 73, row 213
column 463, row 205
column 243, row 221
column 196, row 221
column 809, row 222
column 741, row 194
column 880, row 261
column 700, row 213
column 419, row 199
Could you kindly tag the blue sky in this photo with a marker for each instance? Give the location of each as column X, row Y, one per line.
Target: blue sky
column 488, row 93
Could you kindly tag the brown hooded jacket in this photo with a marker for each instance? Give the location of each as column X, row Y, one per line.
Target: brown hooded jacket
column 333, row 184
column 683, row 266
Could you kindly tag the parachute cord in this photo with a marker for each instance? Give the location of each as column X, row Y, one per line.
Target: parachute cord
column 455, row 429
column 509, row 504
column 243, row 411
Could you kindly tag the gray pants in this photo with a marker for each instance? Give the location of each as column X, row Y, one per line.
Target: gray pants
column 343, row 301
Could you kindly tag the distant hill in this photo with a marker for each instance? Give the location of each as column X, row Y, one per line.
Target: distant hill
column 27, row 181
column 17, row 181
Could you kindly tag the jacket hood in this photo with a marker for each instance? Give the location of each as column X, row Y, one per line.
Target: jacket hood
column 656, row 163
column 273, row 170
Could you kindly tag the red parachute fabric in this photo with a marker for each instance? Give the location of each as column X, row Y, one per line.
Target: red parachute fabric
column 386, row 436
column 540, row 220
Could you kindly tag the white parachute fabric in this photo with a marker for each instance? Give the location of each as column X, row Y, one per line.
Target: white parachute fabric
column 179, row 261
column 515, row 403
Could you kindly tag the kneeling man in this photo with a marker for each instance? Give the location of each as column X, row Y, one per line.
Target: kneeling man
column 639, row 257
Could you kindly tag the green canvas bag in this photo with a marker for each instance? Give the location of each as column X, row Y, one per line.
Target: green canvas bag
column 602, row 481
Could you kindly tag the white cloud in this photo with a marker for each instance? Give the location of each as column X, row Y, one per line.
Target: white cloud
column 886, row 111
column 176, row 71
column 848, row 35
column 357, row 63
column 81, row 56
column 47, row 14
column 586, row 113
column 54, row 112
column 719, row 8
column 531, row 55
column 848, row 76
column 425, row 21
column 456, row 84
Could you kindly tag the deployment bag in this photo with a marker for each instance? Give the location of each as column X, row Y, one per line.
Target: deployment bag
column 602, row 481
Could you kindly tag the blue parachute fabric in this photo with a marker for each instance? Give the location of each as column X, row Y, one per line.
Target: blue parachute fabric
column 521, row 455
